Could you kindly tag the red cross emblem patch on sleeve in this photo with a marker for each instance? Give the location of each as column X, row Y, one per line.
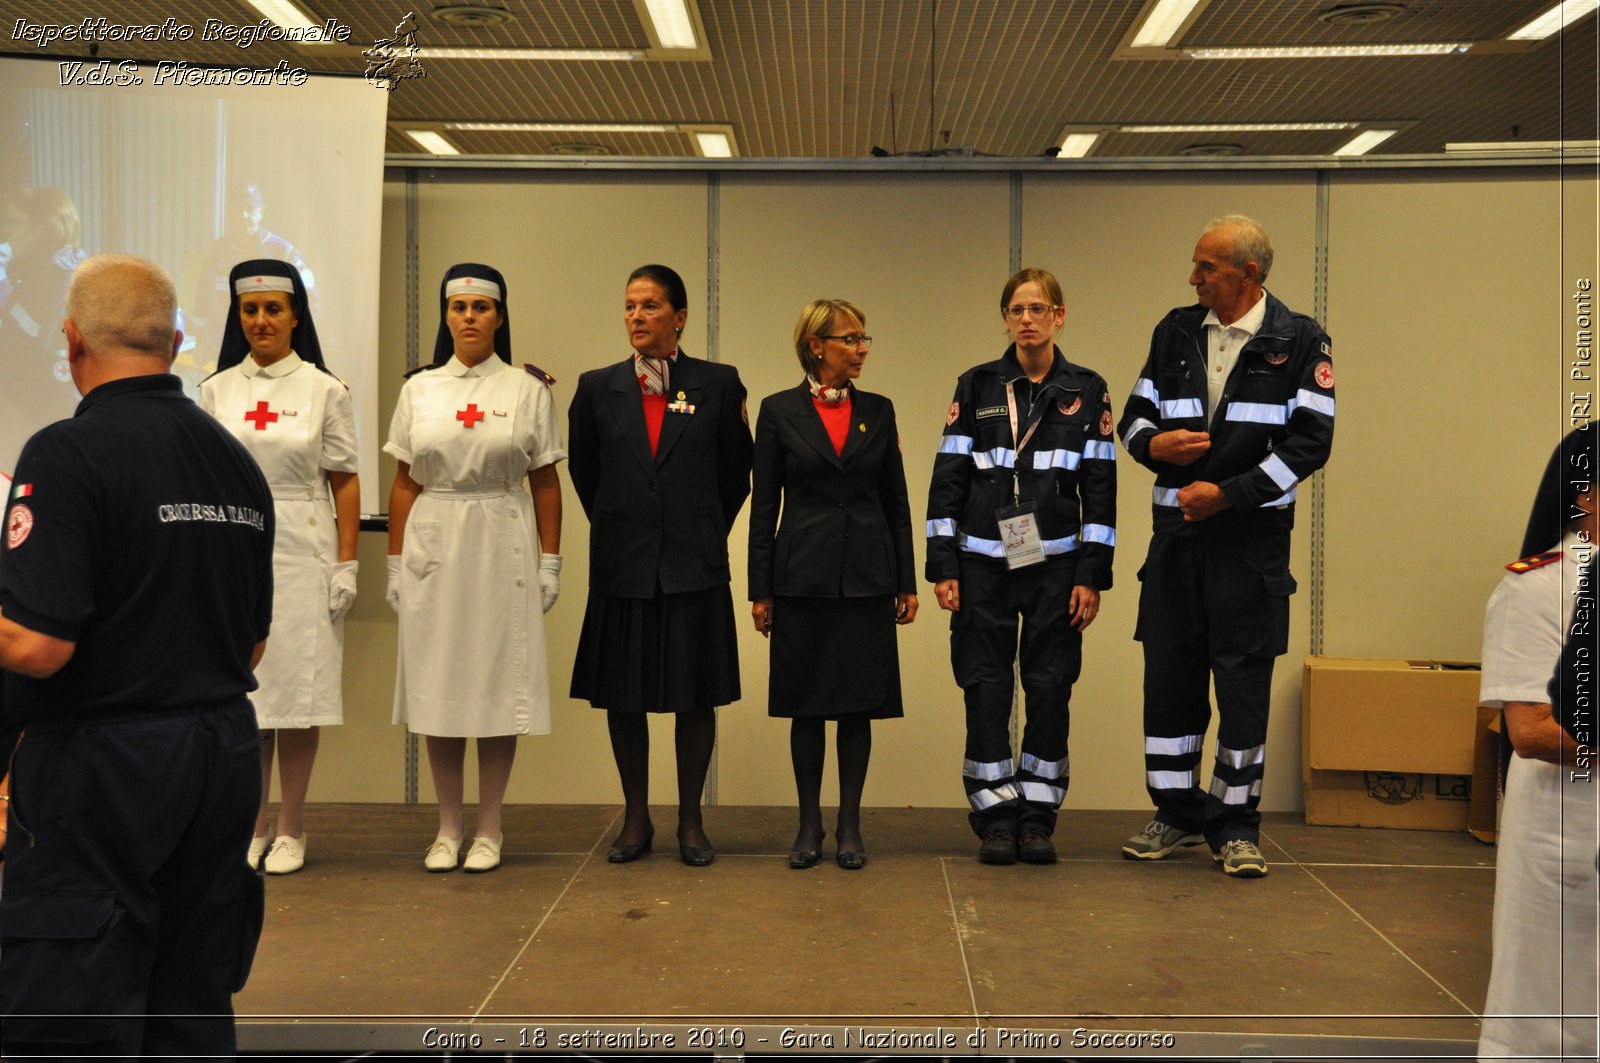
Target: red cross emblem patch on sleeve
column 1323, row 374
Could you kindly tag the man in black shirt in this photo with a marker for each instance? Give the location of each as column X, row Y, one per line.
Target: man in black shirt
column 135, row 595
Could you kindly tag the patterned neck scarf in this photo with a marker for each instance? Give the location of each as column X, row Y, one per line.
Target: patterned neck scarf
column 655, row 374
column 824, row 394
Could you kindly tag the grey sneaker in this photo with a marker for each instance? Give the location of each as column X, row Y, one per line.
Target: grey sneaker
column 1156, row 839
column 1242, row 858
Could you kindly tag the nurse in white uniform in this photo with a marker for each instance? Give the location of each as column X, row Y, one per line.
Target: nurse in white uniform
column 272, row 391
column 467, row 575
column 1542, row 985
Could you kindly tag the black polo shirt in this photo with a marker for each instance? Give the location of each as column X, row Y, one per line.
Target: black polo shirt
column 141, row 531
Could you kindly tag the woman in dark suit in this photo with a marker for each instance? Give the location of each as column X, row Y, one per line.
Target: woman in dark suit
column 832, row 582
column 659, row 450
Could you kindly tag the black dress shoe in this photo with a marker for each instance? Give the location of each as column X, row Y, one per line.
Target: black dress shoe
column 693, row 855
column 850, row 861
column 800, row 859
column 627, row 854
column 696, row 857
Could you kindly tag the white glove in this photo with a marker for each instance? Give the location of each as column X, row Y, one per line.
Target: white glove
column 550, row 578
column 393, row 593
column 342, row 589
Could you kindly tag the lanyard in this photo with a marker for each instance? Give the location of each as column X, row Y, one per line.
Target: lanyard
column 1018, row 444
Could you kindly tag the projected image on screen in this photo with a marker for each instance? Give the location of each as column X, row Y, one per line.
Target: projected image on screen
column 197, row 178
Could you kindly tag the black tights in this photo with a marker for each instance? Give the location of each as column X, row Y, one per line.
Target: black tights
column 808, row 747
column 630, row 744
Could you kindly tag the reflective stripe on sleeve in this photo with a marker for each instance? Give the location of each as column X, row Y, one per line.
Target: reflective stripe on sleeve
column 955, row 444
column 1055, row 459
column 1257, row 412
column 1280, row 473
column 1100, row 450
column 1166, row 496
column 1001, row 457
column 1323, row 404
column 1099, row 533
column 1282, row 500
column 1139, row 425
column 943, row 527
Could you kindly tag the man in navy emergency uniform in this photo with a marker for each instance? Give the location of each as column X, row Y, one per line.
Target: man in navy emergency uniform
column 1233, row 408
column 1021, row 528
column 135, row 594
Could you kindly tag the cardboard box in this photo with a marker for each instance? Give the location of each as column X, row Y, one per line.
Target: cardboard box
column 1389, row 742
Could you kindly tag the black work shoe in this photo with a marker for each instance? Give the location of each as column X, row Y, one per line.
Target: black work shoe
column 1036, row 847
column 999, row 847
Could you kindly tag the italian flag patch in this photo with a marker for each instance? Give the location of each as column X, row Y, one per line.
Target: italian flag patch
column 21, row 491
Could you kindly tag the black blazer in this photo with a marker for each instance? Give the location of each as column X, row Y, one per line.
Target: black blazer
column 846, row 522
column 661, row 520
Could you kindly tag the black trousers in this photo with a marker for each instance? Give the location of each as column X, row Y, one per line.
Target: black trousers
column 128, row 916
column 1005, row 794
column 1211, row 610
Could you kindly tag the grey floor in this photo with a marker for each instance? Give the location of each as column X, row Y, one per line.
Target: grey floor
column 1359, row 941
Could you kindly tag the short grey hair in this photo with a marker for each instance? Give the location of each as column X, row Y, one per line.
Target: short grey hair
column 1250, row 242
column 123, row 304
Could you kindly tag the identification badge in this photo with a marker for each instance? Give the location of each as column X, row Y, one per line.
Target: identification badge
column 1019, row 535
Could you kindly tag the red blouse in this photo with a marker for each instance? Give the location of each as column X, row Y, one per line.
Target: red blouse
column 836, row 419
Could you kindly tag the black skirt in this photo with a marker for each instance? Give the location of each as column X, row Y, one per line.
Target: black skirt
column 834, row 657
column 670, row 653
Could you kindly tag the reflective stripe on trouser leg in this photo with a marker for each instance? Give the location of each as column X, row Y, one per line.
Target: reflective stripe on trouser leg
column 1177, row 689
column 988, row 772
column 1244, row 692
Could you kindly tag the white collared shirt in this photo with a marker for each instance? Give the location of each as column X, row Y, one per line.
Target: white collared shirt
column 1223, row 343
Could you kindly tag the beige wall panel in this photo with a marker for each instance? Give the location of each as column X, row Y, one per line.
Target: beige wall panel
column 924, row 257
column 1121, row 247
column 1451, row 317
column 364, row 759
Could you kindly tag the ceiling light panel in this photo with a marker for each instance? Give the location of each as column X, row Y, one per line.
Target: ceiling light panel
column 1331, row 51
column 548, row 54
column 433, row 142
column 1161, row 25
column 1554, row 20
column 674, row 28
column 1241, row 127
column 284, row 13
column 1365, row 141
column 1077, row 145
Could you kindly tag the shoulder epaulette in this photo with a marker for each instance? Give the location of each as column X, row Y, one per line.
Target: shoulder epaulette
column 535, row 371
column 1528, row 564
column 419, row 369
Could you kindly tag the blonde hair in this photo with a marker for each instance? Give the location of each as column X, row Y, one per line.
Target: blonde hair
column 816, row 320
column 123, row 304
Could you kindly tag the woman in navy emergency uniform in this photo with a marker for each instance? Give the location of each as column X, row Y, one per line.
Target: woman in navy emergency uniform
column 831, row 582
column 467, row 574
column 661, row 462
column 273, row 392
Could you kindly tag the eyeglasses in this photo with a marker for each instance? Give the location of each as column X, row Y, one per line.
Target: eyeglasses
column 853, row 341
column 1032, row 309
